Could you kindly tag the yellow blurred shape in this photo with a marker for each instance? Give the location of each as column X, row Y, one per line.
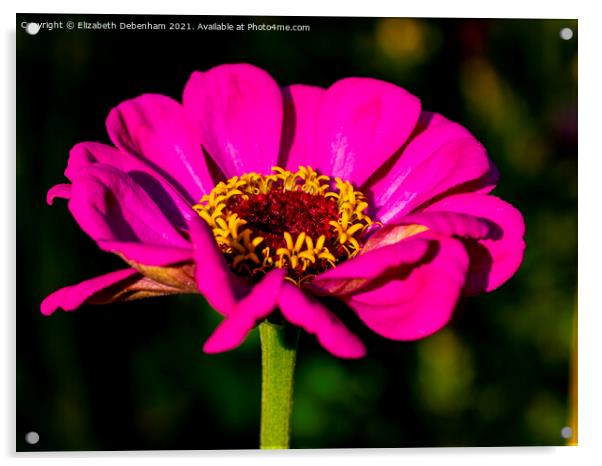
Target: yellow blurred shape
column 482, row 87
column 544, row 418
column 402, row 38
column 445, row 373
column 492, row 100
column 574, row 387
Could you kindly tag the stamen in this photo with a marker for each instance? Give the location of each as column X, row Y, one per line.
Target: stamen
column 297, row 221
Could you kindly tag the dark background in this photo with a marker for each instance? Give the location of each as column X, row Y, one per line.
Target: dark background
column 133, row 376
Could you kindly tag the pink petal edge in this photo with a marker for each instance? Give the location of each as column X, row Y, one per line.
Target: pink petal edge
column 257, row 305
column 495, row 259
column 306, row 312
column 213, row 276
column 71, row 297
column 420, row 302
column 375, row 264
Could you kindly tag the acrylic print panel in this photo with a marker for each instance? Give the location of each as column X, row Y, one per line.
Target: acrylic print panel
column 327, row 218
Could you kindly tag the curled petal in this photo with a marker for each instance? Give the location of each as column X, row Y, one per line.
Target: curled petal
column 109, row 206
column 85, row 154
column 306, row 312
column 257, row 305
column 355, row 274
column 121, row 285
column 451, row 224
column 361, row 123
column 62, row 191
column 156, row 129
column 496, row 258
column 71, row 297
column 170, row 200
column 238, row 111
column 421, row 299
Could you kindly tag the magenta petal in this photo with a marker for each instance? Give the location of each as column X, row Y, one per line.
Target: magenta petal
column 257, row 305
column 113, row 210
column 62, row 191
column 442, row 156
column 495, row 259
column 306, row 312
column 358, row 272
column 361, row 123
column 147, row 254
column 215, row 281
column 71, row 297
column 483, row 185
column 450, row 223
column 170, row 200
column 109, row 206
column 238, row 111
column 157, row 130
column 85, row 154
column 301, row 105
column 420, row 301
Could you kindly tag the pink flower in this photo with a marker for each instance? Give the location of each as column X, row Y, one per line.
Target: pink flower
column 374, row 202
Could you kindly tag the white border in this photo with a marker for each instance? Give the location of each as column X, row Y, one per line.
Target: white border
column 590, row 323
column 376, row 8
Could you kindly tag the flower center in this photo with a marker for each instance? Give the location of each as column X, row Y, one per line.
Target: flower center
column 300, row 221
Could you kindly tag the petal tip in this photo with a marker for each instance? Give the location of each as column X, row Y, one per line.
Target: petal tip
column 62, row 191
column 46, row 308
column 216, row 346
column 210, row 348
column 357, row 352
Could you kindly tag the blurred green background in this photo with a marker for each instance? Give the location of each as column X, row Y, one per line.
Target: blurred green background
column 133, row 376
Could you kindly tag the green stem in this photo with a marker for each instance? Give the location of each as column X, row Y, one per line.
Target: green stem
column 278, row 351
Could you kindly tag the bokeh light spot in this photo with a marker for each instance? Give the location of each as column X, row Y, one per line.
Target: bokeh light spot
column 32, row 438
column 566, row 432
column 566, row 33
column 32, row 28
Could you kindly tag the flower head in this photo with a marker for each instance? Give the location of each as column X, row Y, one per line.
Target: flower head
column 263, row 198
column 294, row 221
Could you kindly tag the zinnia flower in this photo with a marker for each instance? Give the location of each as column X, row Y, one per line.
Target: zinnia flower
column 263, row 198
